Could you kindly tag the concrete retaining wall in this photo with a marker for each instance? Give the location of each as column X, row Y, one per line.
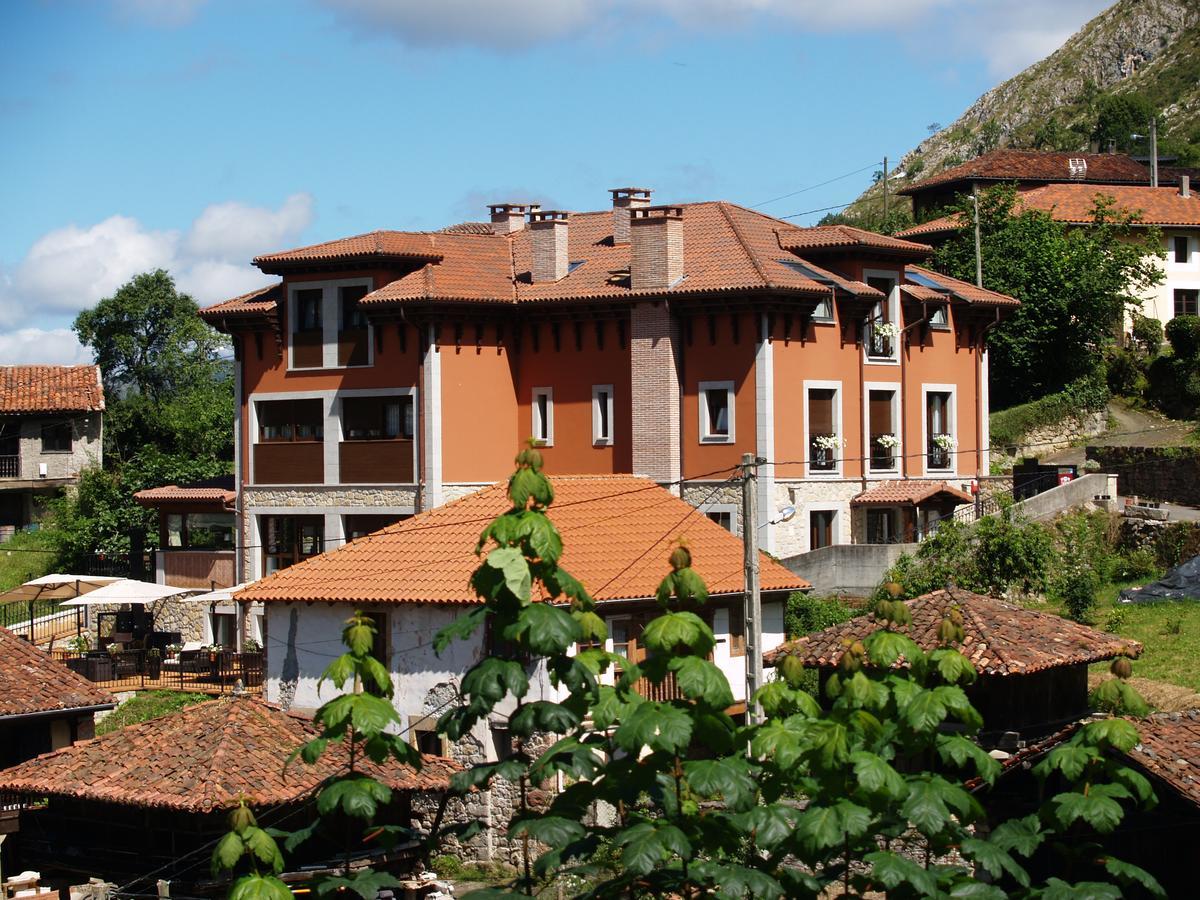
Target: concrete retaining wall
column 847, row 568
column 1081, row 492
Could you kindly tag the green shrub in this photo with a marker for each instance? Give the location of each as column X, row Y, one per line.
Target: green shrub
column 1089, row 394
column 1148, row 334
column 1177, row 543
column 1136, row 565
column 1126, row 373
column 1012, row 553
column 1184, row 334
column 1085, row 562
column 807, row 613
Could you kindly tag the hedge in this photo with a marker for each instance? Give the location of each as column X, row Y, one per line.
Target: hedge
column 1009, row 426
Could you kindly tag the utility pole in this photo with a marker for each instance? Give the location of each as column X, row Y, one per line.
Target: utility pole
column 752, row 606
column 885, row 192
column 1154, row 151
column 978, row 252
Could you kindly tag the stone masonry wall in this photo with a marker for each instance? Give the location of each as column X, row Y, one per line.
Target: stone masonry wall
column 656, row 392
column 1051, row 438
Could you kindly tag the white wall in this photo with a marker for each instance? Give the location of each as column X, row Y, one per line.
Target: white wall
column 86, row 446
column 1160, row 300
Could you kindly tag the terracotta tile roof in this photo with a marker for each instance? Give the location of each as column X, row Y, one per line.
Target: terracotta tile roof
column 215, row 490
column 31, row 682
column 50, row 389
column 380, row 244
column 264, row 301
column 1073, row 203
column 203, row 758
column 726, row 248
column 1170, row 749
column 908, row 493
column 841, row 237
column 1037, row 165
column 1000, row 639
column 617, row 530
column 920, row 292
column 960, row 290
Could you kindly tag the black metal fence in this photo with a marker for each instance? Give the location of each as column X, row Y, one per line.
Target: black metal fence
column 202, row 671
column 42, row 621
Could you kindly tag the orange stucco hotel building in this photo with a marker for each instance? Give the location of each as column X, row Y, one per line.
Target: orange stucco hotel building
column 392, row 372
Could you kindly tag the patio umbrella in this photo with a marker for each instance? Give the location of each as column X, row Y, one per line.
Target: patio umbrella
column 127, row 590
column 57, row 587
column 220, row 595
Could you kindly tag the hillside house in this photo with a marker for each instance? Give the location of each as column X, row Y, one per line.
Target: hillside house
column 1173, row 207
column 51, row 426
column 387, row 373
column 413, row 579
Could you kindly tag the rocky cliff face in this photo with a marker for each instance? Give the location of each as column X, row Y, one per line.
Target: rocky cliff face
column 1149, row 46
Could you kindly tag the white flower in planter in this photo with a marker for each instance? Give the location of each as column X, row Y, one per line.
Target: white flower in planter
column 944, row 442
column 887, row 330
column 827, row 441
column 888, row 441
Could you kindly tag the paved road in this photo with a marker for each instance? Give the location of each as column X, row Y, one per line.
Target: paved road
column 1133, row 428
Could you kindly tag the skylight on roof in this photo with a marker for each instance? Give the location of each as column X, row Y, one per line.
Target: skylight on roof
column 926, row 281
column 574, row 264
column 806, row 271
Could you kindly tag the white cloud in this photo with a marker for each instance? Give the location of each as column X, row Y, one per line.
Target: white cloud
column 1006, row 35
column 29, row 346
column 232, row 231
column 71, row 268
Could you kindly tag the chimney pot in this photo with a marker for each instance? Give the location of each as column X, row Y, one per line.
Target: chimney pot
column 1185, row 186
column 510, row 217
column 548, row 236
column 623, row 200
column 656, row 236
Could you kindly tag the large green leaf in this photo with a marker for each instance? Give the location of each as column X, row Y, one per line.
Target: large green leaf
column 551, row 830
column 956, row 749
column 732, row 882
column 546, row 629
column 227, row 852
column 885, row 647
column 770, row 825
column 493, row 678
column 729, row 778
column 658, row 726
column 370, row 714
column 925, row 807
column 541, row 715
column 924, row 712
column 1057, row 889
column 514, row 568
column 892, row 870
column 1119, row 734
column 995, row 860
column 824, row 827
column 264, row 848
column 1070, row 759
column 260, row 887
column 673, row 631
column 1022, row 835
column 645, row 846
column 952, row 666
column 1100, row 811
column 876, row 776
column 366, row 883
column 702, row 681
column 460, row 629
column 356, row 796
column 1127, row 873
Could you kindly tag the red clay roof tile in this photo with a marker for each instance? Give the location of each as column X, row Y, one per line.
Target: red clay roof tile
column 50, row 389
column 264, row 301
column 1000, row 638
column 841, row 237
column 204, row 758
column 382, row 244
column 908, row 493
column 31, row 682
column 1037, row 165
column 617, row 530
column 1170, row 749
column 962, row 290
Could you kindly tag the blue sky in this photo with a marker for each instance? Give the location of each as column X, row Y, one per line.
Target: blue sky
column 193, row 134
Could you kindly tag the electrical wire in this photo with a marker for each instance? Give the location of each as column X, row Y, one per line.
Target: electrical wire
column 813, row 187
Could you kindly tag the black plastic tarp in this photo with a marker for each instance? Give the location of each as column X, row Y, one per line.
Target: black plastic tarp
column 1180, row 583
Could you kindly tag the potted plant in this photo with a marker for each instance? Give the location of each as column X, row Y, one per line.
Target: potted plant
column 942, row 444
column 825, row 446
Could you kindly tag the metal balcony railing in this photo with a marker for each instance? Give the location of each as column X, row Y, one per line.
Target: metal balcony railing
column 821, row 459
column 937, row 457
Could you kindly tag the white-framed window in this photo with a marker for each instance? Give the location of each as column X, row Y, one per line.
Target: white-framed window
column 939, row 427
column 939, row 316
column 602, row 415
column 543, row 416
column 823, row 429
column 881, row 340
column 1180, row 247
column 326, row 327
column 716, row 412
column 883, row 425
column 724, row 514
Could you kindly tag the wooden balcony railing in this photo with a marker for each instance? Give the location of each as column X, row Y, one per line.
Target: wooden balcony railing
column 289, row 462
column 10, row 466
column 198, row 568
column 376, row 462
column 665, row 690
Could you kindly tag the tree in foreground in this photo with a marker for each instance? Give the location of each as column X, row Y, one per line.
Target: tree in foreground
column 676, row 798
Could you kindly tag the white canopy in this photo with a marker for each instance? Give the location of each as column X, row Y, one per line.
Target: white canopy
column 127, row 590
column 220, row 595
column 57, row 587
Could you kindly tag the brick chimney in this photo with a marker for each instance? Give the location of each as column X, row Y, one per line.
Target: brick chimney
column 549, row 241
column 510, row 217
column 623, row 200
column 656, row 236
column 1185, row 186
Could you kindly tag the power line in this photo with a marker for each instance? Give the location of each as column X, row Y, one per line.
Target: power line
column 813, row 187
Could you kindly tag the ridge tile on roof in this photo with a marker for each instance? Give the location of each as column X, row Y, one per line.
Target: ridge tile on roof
column 1037, row 165
column 1000, row 638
